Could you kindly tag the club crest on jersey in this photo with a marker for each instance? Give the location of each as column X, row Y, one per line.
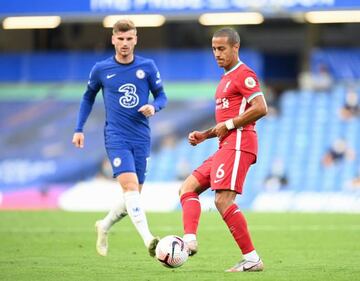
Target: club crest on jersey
column 250, row 82
column 117, row 162
column 227, row 86
column 140, row 74
column 130, row 99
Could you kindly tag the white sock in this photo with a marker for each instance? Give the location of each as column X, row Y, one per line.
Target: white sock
column 115, row 214
column 189, row 237
column 137, row 215
column 252, row 256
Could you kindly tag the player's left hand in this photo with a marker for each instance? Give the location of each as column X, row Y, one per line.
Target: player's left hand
column 148, row 110
column 220, row 130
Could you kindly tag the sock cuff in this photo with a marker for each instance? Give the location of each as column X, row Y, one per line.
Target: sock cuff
column 230, row 211
column 189, row 195
column 131, row 194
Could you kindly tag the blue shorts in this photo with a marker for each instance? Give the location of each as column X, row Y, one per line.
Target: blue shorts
column 129, row 157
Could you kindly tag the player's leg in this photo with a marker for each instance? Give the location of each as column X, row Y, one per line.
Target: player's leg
column 190, row 190
column 120, row 160
column 130, row 185
column 141, row 155
column 236, row 222
column 228, row 175
column 116, row 213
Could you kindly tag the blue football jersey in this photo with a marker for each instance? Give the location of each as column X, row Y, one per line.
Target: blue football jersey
column 125, row 88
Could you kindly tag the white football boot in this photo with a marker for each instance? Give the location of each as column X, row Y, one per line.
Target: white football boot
column 247, row 266
column 102, row 239
column 192, row 247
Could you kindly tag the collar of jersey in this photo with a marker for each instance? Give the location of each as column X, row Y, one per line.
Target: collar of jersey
column 234, row 67
column 114, row 58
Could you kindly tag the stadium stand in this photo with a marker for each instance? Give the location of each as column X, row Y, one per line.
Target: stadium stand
column 300, row 135
column 38, row 118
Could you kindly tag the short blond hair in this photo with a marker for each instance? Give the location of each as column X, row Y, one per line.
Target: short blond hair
column 123, row 25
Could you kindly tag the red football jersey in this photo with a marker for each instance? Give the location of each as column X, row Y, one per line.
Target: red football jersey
column 236, row 89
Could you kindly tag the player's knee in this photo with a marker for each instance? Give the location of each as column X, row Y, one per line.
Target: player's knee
column 219, row 203
column 187, row 186
column 222, row 203
column 130, row 186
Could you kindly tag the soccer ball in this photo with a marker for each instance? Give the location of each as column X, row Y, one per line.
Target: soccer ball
column 172, row 251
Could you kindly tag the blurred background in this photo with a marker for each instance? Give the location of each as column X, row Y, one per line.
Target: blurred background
column 306, row 54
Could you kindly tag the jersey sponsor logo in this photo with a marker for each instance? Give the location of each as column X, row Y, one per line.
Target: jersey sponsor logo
column 250, row 82
column 140, row 74
column 130, row 99
column 109, row 76
column 117, row 162
column 225, row 103
column 222, row 103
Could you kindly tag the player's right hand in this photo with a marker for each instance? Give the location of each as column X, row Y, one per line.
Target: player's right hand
column 196, row 137
column 78, row 140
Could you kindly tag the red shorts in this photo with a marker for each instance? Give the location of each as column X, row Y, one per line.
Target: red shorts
column 225, row 169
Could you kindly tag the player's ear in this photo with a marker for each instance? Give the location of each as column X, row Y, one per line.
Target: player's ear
column 236, row 46
column 113, row 39
column 135, row 39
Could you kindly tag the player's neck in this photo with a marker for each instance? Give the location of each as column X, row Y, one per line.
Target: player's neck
column 231, row 65
column 124, row 59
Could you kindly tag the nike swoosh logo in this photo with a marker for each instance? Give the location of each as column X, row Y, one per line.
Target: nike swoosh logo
column 248, row 268
column 174, row 243
column 215, row 181
column 110, row 76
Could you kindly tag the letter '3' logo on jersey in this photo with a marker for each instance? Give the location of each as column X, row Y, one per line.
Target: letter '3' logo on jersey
column 130, row 99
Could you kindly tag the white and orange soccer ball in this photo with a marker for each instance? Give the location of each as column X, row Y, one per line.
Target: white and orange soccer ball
column 172, row 251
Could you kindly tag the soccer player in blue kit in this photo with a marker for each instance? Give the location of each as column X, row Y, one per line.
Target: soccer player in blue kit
column 126, row 81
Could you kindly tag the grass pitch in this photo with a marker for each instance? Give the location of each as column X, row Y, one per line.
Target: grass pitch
column 61, row 246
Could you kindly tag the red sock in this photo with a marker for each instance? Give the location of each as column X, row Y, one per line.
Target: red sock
column 236, row 222
column 191, row 212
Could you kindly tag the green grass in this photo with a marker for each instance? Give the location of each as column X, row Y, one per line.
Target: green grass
column 60, row 246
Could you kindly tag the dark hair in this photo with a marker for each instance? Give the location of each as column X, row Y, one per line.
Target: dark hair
column 123, row 25
column 230, row 33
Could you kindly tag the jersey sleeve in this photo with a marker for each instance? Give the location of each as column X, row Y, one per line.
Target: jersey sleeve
column 156, row 88
column 93, row 87
column 248, row 85
column 154, row 78
column 94, row 81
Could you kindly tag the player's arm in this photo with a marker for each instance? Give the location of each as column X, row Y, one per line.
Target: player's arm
column 157, row 91
column 160, row 101
column 257, row 109
column 86, row 105
column 197, row 137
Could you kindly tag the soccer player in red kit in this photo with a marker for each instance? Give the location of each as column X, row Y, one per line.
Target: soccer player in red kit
column 239, row 103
